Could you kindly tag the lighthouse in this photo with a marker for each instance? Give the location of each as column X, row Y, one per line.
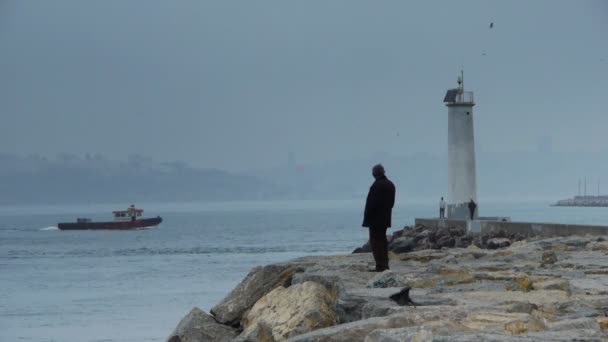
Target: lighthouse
column 462, row 183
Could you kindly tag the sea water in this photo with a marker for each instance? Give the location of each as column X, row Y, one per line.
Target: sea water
column 136, row 285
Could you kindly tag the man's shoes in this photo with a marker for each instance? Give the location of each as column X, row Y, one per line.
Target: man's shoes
column 382, row 268
column 379, row 269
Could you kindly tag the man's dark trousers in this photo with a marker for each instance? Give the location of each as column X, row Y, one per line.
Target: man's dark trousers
column 379, row 245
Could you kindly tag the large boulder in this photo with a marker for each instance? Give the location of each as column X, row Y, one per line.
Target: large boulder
column 292, row 311
column 357, row 331
column 258, row 282
column 198, row 326
column 402, row 245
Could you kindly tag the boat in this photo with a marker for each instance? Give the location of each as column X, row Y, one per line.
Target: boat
column 123, row 219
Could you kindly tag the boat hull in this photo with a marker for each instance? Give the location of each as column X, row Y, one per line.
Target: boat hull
column 125, row 225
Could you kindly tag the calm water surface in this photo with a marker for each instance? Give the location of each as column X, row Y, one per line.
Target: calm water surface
column 136, row 285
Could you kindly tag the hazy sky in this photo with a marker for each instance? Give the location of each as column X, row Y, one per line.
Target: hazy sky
column 237, row 84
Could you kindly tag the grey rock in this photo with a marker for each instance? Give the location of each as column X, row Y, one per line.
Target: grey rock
column 366, row 248
column 395, row 335
column 445, row 241
column 349, row 332
column 350, row 307
column 464, row 289
column 198, row 326
column 554, row 284
column 261, row 333
column 402, row 245
column 521, row 307
column 331, row 281
column 397, row 234
column 258, row 282
column 548, row 258
column 562, row 336
column 572, row 324
column 389, row 279
column 496, row 243
column 292, row 311
column 357, row 331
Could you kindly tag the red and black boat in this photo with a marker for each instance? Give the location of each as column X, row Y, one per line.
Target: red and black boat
column 123, row 219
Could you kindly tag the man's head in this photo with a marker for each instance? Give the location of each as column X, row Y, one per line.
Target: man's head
column 378, row 171
column 442, row 198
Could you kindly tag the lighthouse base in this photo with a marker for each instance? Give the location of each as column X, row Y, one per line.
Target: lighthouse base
column 460, row 211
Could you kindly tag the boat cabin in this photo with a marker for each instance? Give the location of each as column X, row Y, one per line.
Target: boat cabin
column 131, row 214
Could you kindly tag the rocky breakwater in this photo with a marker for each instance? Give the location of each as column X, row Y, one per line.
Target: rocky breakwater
column 533, row 290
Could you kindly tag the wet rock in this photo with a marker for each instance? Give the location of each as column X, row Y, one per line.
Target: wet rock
column 292, row 311
column 258, row 282
column 198, row 326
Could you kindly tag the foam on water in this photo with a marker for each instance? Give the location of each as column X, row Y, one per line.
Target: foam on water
column 49, row 228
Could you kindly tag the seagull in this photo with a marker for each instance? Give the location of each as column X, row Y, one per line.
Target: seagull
column 491, row 25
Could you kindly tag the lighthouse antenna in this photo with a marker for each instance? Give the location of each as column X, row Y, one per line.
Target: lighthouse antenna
column 462, row 79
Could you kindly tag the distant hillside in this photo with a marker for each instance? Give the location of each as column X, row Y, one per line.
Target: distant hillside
column 519, row 176
column 94, row 179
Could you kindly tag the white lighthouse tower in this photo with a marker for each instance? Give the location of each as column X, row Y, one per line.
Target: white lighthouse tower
column 461, row 152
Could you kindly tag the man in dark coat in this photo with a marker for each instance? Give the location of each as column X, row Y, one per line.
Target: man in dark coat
column 377, row 215
column 472, row 207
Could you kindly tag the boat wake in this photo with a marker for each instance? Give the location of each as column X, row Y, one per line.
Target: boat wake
column 49, row 228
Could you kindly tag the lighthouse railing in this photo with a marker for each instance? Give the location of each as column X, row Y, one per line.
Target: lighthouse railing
column 465, row 97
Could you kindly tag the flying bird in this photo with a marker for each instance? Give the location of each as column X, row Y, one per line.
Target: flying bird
column 491, row 25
